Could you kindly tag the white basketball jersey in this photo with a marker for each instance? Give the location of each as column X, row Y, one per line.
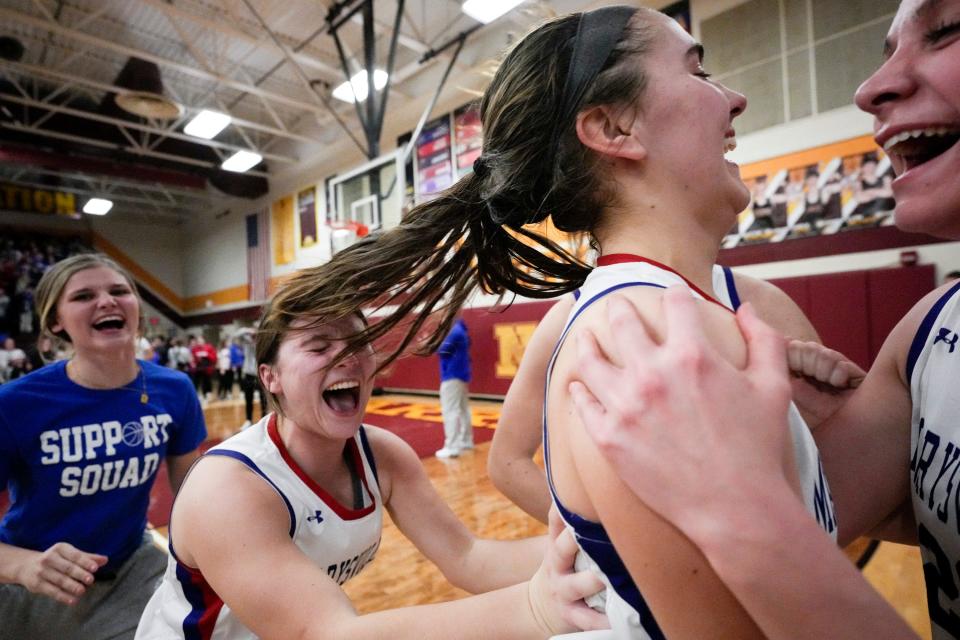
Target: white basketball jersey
column 933, row 370
column 338, row 538
column 629, row 615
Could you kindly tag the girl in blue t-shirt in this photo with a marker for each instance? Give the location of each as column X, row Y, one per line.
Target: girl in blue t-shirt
column 81, row 441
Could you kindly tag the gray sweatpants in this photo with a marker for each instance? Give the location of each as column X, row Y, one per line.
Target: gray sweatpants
column 109, row 610
column 455, row 406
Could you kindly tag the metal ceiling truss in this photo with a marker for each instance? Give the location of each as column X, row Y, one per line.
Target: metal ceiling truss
column 214, row 72
column 319, row 105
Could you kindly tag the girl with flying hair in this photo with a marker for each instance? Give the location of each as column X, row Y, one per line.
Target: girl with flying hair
column 606, row 122
column 273, row 521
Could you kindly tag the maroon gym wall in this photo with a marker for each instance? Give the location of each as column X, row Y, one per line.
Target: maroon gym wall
column 853, row 312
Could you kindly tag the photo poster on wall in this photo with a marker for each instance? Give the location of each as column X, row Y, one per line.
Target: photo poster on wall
column 434, row 165
column 833, row 189
column 680, row 11
column 307, row 215
column 468, row 138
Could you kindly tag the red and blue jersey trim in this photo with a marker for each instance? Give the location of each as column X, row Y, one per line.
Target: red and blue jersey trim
column 204, row 602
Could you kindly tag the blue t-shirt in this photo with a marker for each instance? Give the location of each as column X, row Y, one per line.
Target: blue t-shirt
column 455, row 354
column 80, row 463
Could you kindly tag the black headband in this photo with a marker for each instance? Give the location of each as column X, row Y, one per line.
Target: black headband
column 598, row 33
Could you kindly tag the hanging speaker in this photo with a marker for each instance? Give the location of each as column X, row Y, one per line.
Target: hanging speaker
column 142, row 91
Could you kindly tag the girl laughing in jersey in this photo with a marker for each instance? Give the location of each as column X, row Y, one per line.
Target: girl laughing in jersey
column 272, row 521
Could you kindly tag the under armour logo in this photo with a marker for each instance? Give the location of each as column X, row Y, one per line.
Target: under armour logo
column 945, row 338
column 316, row 517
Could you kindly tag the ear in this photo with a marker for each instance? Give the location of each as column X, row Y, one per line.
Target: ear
column 56, row 327
column 610, row 132
column 269, row 379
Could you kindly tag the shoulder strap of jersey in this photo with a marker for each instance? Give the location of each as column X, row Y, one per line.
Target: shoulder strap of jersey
column 923, row 332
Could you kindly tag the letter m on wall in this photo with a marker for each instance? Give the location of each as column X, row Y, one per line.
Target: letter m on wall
column 512, row 339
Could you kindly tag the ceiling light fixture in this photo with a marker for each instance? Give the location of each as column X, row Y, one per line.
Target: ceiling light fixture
column 97, row 206
column 486, row 11
column 359, row 82
column 142, row 91
column 241, row 161
column 207, row 124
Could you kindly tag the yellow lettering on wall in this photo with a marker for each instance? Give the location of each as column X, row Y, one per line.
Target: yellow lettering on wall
column 66, row 203
column 10, row 196
column 43, row 201
column 512, row 339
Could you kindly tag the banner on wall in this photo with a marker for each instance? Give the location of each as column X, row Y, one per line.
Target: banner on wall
column 468, row 137
column 282, row 231
column 434, row 167
column 836, row 188
column 29, row 200
column 307, row 214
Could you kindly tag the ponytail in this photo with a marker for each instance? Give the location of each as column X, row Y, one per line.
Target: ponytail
column 475, row 233
column 429, row 264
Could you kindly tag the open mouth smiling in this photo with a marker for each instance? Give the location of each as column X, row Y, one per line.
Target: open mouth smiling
column 343, row 397
column 108, row 323
column 914, row 147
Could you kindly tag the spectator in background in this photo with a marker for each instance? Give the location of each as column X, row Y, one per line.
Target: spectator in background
column 26, row 311
column 41, row 353
column 4, row 307
column 179, row 356
column 205, row 363
column 454, row 396
column 159, row 345
column 19, row 365
column 224, row 371
column 143, row 348
column 10, row 354
column 249, row 377
column 236, row 360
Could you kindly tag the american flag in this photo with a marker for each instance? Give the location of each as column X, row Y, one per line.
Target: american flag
column 258, row 255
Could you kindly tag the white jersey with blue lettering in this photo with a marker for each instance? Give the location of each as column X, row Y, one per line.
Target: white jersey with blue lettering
column 933, row 371
column 338, row 538
column 630, row 617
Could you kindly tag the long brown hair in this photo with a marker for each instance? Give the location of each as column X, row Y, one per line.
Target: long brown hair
column 533, row 166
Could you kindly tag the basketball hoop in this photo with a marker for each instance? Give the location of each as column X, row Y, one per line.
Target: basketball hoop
column 344, row 234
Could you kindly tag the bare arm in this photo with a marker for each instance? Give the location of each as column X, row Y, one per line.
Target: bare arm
column 177, row 468
column 692, row 431
column 474, row 564
column 817, row 392
column 225, row 512
column 62, row 572
column 865, row 445
column 519, row 433
column 662, row 561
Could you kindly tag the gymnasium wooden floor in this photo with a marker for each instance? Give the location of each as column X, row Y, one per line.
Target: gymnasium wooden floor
column 401, row 576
